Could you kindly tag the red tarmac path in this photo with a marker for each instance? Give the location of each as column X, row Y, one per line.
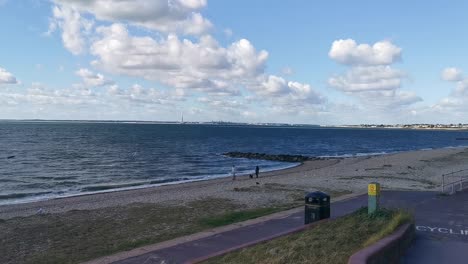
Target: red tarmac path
column 441, row 230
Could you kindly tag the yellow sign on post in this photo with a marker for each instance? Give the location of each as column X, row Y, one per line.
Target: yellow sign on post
column 373, row 189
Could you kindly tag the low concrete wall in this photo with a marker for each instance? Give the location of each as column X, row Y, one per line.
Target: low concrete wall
column 387, row 250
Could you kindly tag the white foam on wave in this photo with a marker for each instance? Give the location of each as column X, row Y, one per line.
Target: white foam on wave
column 143, row 186
column 284, row 165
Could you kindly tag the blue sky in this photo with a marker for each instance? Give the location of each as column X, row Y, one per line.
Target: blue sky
column 327, row 62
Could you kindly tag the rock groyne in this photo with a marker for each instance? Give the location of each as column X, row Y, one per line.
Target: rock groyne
column 263, row 156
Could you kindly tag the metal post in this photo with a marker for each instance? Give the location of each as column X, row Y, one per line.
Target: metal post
column 443, row 180
column 373, row 191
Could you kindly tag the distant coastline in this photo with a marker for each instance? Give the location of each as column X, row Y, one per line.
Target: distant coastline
column 220, row 123
column 410, row 126
column 459, row 126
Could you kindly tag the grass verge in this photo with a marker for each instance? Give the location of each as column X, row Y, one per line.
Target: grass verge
column 81, row 235
column 234, row 217
column 330, row 242
column 422, row 181
column 398, row 218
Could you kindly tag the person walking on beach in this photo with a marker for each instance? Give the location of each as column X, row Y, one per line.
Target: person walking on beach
column 233, row 171
column 257, row 170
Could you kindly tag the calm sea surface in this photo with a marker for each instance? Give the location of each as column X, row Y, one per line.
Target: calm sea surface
column 62, row 159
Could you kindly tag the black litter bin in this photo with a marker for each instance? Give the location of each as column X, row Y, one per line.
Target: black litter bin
column 317, row 207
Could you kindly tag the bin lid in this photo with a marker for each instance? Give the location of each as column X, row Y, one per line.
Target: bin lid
column 317, row 194
column 317, row 198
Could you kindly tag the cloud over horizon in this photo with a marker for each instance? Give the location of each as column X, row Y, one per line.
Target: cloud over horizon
column 173, row 56
column 6, row 77
column 93, row 79
column 457, row 100
column 370, row 75
column 348, row 52
column 167, row 43
column 192, row 65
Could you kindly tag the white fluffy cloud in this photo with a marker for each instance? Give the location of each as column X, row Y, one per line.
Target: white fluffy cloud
column 452, row 74
column 74, row 28
column 218, row 102
column 462, row 87
column 168, row 16
column 370, row 76
column 451, row 109
column 278, row 88
column 93, row 79
column 6, row 77
column 455, row 105
column 455, row 75
column 449, row 103
column 348, row 52
column 370, row 66
column 139, row 95
column 174, row 50
column 273, row 85
column 175, row 62
column 203, row 66
column 38, row 94
column 390, row 99
column 283, row 97
column 135, row 102
column 406, row 98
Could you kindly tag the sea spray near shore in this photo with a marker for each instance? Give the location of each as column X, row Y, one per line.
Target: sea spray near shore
column 19, row 198
column 64, row 159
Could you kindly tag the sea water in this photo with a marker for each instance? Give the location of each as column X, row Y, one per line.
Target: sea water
column 43, row 160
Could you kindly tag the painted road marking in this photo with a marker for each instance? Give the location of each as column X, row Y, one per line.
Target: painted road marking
column 442, row 230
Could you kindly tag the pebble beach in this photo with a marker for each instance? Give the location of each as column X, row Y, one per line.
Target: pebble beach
column 412, row 170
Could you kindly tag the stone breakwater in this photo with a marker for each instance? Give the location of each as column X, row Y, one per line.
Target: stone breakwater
column 263, row 156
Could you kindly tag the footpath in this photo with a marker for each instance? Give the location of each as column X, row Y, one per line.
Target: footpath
column 441, row 230
column 441, row 227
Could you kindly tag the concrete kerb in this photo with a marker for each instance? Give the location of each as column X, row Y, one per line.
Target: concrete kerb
column 387, row 250
column 180, row 240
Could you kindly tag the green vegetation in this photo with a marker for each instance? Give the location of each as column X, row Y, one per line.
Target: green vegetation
column 423, row 181
column 296, row 193
column 331, row 242
column 397, row 219
column 82, row 235
column 234, row 217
